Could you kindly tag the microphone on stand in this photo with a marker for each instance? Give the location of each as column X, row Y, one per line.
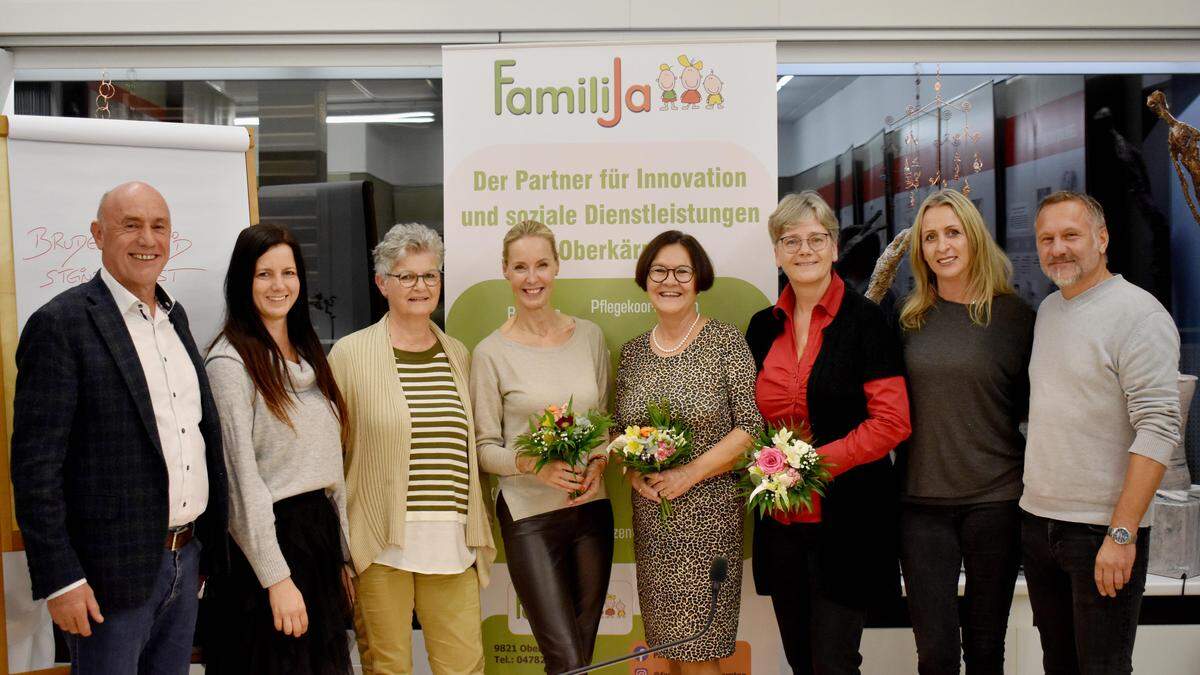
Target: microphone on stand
column 716, row 575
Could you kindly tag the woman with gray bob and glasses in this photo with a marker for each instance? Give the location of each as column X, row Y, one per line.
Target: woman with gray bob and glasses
column 419, row 533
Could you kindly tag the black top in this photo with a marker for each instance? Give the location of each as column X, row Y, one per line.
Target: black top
column 969, row 391
column 858, row 530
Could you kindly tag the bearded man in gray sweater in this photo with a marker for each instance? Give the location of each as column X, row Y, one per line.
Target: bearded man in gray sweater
column 1103, row 419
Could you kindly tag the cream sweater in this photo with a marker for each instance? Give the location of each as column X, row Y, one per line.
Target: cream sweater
column 380, row 435
column 511, row 382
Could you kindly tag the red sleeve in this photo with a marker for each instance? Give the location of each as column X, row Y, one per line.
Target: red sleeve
column 887, row 424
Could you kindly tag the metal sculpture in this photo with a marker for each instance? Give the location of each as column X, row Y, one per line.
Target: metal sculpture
column 1183, row 142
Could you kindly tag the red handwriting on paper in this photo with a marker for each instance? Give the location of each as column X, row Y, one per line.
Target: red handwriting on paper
column 57, row 249
column 46, row 242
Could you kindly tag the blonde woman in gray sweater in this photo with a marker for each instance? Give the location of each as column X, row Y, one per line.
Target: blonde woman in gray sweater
column 286, row 604
column 559, row 549
column 967, row 339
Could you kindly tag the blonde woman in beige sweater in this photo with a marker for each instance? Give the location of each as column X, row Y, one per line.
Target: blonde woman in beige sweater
column 558, row 548
column 419, row 533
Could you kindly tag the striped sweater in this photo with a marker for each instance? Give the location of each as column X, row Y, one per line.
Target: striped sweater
column 438, row 473
column 380, row 443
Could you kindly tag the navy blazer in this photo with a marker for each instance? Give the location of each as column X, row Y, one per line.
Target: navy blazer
column 89, row 477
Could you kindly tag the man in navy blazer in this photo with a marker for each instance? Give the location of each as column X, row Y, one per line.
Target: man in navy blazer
column 117, row 467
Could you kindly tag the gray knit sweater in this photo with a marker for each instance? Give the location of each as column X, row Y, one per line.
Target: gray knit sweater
column 1103, row 384
column 968, row 391
column 267, row 460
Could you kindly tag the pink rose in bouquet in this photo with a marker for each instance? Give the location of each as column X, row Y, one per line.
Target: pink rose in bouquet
column 771, row 460
column 781, row 472
column 659, row 446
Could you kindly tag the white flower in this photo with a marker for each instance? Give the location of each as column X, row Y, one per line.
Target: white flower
column 763, row 486
column 781, row 438
column 794, row 457
column 801, row 446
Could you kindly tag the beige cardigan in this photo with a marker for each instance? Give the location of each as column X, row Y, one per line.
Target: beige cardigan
column 377, row 454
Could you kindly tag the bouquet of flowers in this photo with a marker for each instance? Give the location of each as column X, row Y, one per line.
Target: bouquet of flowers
column 657, row 447
column 782, row 471
column 557, row 433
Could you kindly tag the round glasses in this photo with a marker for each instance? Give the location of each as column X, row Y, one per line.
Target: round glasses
column 409, row 279
column 659, row 274
column 816, row 243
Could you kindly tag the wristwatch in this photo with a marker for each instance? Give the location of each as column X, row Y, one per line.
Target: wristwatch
column 1121, row 535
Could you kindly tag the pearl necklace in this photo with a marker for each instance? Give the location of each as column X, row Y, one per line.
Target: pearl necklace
column 654, row 337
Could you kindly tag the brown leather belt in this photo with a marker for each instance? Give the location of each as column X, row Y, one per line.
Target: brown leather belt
column 178, row 537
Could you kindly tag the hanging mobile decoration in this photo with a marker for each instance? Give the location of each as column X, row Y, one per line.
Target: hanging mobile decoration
column 956, row 142
column 959, row 140
column 912, row 158
column 974, row 137
column 104, row 93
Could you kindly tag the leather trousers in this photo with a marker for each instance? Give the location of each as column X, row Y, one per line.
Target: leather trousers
column 559, row 563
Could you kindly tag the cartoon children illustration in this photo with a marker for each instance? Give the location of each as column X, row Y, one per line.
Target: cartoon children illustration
column 713, row 85
column 613, row 607
column 666, row 80
column 691, row 82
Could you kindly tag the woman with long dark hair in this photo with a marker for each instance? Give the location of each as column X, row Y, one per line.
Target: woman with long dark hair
column 286, row 603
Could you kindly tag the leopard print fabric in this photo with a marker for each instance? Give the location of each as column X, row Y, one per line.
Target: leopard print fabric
column 710, row 385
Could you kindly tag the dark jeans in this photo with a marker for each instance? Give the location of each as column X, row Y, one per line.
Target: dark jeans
column 935, row 543
column 559, row 563
column 154, row 638
column 1081, row 630
column 820, row 636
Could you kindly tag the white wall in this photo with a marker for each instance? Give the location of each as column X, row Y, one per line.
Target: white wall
column 855, row 114
column 397, row 154
column 408, row 154
column 320, row 39
column 346, row 148
column 6, row 83
column 46, row 17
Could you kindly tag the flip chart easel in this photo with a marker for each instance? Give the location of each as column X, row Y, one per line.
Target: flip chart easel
column 170, row 144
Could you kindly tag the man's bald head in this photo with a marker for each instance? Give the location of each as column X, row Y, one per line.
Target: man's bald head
column 133, row 232
column 132, row 189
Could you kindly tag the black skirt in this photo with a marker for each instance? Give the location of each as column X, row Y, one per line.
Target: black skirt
column 237, row 628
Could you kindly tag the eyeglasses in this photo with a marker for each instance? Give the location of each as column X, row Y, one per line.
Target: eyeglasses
column 659, row 274
column 816, row 243
column 409, row 279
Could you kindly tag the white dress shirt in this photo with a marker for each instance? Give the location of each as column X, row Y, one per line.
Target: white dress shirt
column 174, row 396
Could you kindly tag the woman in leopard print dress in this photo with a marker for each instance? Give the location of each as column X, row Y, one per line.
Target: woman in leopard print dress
column 704, row 368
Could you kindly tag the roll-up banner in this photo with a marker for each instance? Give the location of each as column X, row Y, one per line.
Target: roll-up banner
column 609, row 145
